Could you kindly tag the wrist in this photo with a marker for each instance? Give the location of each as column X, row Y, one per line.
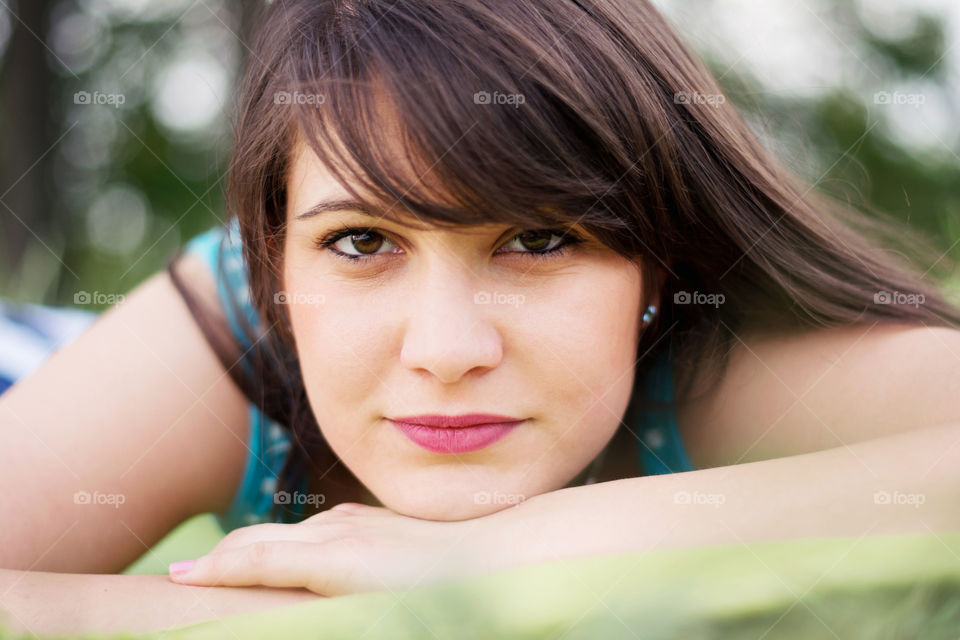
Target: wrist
column 524, row 533
column 487, row 544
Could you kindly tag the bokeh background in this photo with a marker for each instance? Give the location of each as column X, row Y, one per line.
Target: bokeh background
column 115, row 120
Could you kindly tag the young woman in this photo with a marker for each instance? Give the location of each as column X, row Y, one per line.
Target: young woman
column 500, row 283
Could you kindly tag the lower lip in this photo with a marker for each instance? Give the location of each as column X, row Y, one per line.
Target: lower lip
column 456, row 439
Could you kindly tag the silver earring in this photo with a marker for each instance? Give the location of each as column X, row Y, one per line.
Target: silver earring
column 648, row 316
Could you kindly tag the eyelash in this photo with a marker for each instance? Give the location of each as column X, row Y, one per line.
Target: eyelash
column 569, row 240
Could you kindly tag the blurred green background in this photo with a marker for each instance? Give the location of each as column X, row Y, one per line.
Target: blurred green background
column 115, row 119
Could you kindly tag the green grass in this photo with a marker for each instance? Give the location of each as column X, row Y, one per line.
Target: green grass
column 192, row 539
column 888, row 586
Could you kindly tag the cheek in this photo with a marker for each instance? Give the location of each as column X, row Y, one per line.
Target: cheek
column 339, row 347
column 585, row 332
column 585, row 345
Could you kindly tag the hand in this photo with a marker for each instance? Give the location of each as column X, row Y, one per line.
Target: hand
column 347, row 549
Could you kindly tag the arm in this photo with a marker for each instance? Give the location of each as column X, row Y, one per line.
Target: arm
column 901, row 483
column 138, row 408
column 39, row 602
column 822, row 388
column 828, row 493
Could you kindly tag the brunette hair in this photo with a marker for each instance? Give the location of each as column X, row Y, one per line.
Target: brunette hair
column 546, row 113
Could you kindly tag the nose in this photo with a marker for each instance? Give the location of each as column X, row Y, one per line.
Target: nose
column 448, row 331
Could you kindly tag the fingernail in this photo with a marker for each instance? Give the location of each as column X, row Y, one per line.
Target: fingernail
column 180, row 568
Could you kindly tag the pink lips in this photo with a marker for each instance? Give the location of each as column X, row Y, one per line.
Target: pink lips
column 456, row 434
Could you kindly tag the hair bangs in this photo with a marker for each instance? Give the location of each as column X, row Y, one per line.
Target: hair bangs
column 468, row 144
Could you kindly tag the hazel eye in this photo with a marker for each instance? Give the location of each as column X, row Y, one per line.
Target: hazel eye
column 536, row 241
column 365, row 243
column 357, row 244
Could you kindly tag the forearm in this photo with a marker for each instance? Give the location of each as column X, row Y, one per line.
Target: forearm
column 828, row 493
column 41, row 602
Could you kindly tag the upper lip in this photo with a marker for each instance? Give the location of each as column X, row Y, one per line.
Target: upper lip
column 466, row 420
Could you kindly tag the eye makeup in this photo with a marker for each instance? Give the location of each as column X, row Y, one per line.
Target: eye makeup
column 567, row 240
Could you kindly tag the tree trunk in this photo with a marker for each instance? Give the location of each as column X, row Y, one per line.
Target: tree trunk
column 27, row 133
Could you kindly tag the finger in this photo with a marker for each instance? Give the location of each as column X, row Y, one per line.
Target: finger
column 352, row 509
column 321, row 527
column 273, row 563
column 338, row 512
column 266, row 532
column 349, row 507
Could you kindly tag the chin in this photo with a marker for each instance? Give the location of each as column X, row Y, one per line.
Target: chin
column 461, row 507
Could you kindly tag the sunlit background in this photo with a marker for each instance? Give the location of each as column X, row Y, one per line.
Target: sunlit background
column 115, row 120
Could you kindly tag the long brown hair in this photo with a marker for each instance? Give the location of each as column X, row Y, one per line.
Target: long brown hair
column 537, row 114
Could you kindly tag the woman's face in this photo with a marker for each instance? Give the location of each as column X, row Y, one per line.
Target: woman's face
column 440, row 322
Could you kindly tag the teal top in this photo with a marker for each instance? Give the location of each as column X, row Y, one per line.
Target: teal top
column 660, row 449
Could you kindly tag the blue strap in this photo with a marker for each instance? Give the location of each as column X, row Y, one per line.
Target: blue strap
column 221, row 249
column 269, row 446
column 660, row 447
column 269, row 442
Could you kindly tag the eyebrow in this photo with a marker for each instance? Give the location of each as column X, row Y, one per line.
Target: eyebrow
column 336, row 205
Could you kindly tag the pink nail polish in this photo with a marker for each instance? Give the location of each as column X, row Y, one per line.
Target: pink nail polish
column 179, row 568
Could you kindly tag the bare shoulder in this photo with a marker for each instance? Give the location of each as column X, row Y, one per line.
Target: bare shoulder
column 823, row 388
